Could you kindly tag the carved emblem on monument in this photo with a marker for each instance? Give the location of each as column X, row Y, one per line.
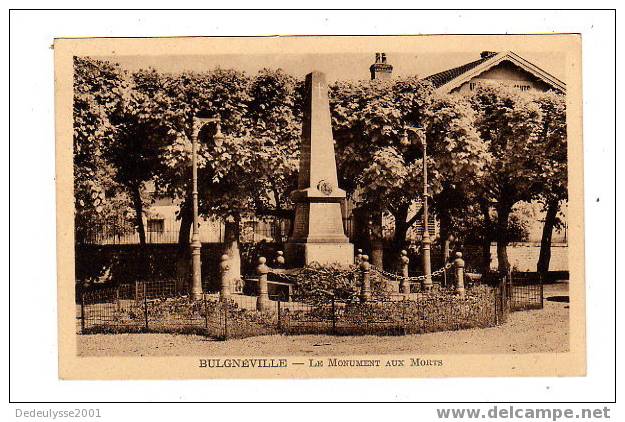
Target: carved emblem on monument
column 324, row 187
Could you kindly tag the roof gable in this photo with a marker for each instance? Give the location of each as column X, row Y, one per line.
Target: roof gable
column 442, row 78
column 450, row 79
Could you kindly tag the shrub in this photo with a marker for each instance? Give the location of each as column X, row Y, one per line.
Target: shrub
column 318, row 284
column 437, row 310
column 440, row 310
column 241, row 322
column 178, row 308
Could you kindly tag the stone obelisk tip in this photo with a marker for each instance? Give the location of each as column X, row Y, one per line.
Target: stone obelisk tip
column 317, row 160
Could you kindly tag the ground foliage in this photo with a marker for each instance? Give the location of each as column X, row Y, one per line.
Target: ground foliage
column 440, row 310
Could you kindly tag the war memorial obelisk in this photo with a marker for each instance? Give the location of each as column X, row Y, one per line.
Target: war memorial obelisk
column 318, row 234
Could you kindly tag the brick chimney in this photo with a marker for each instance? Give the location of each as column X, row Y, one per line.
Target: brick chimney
column 380, row 69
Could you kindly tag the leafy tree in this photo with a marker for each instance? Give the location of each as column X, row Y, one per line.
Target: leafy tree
column 375, row 168
column 217, row 93
column 275, row 125
column 99, row 200
column 146, row 123
column 554, row 187
column 382, row 168
column 510, row 123
column 252, row 170
column 122, row 124
column 459, row 156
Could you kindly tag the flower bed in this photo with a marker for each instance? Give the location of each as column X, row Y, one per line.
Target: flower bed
column 427, row 312
column 439, row 310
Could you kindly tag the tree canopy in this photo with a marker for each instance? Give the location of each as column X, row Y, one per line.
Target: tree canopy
column 487, row 150
column 99, row 198
column 383, row 159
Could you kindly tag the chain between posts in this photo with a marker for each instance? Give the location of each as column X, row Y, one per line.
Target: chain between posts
column 283, row 276
column 293, row 278
column 396, row 277
column 415, row 278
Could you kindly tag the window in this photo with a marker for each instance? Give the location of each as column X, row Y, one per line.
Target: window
column 156, row 225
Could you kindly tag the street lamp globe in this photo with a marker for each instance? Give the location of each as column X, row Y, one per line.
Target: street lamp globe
column 218, row 138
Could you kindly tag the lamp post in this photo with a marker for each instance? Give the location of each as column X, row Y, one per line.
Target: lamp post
column 426, row 242
column 196, row 245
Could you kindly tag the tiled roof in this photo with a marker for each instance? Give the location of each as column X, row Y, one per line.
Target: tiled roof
column 441, row 78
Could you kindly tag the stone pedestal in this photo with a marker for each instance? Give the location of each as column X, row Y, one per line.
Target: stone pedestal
column 318, row 234
column 322, row 253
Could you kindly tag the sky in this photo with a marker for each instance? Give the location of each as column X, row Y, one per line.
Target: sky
column 344, row 66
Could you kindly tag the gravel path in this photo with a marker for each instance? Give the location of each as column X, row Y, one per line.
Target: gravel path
column 535, row 331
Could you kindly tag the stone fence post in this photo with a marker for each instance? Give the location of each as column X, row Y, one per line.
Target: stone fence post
column 224, row 267
column 365, row 288
column 262, row 302
column 358, row 257
column 279, row 262
column 459, row 264
column 404, row 285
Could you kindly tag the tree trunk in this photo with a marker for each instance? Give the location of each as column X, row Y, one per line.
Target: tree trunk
column 232, row 232
column 487, row 237
column 138, row 203
column 183, row 254
column 445, row 222
column 545, row 242
column 375, row 238
column 401, row 228
column 503, row 215
column 360, row 228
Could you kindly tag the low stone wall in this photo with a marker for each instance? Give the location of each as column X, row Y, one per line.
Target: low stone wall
column 523, row 256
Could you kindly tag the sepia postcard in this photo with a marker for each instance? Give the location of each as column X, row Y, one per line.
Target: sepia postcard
column 320, row 207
